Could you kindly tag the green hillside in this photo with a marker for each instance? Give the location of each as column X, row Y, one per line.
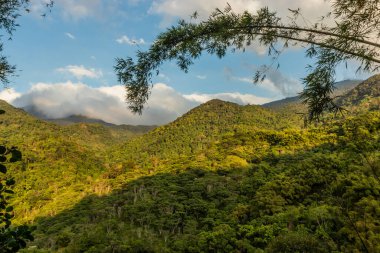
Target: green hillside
column 221, row 178
column 60, row 165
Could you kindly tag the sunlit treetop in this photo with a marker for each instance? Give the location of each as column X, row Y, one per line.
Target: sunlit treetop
column 353, row 35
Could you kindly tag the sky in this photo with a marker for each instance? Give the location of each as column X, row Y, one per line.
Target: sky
column 65, row 60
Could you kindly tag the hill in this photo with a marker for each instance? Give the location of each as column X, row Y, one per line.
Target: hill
column 59, row 163
column 221, row 178
column 364, row 96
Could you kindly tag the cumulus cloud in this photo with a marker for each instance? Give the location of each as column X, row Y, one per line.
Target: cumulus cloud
column 126, row 40
column 80, row 71
column 9, row 95
column 78, row 9
column 70, row 36
column 171, row 10
column 184, row 8
column 58, row 100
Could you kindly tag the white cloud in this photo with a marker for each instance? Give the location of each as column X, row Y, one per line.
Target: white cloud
column 80, row 71
column 171, row 10
column 70, row 9
column 126, row 40
column 57, row 100
column 164, row 77
column 70, row 36
column 9, row 95
column 78, row 9
column 185, row 8
column 202, row 77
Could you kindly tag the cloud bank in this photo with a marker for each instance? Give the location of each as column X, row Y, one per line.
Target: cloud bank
column 59, row 100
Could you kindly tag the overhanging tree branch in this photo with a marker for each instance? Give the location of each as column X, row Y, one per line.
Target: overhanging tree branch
column 331, row 45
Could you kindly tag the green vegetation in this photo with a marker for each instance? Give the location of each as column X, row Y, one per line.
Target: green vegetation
column 12, row 239
column 222, row 178
column 60, row 165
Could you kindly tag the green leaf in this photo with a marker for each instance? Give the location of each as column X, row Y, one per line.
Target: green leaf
column 10, row 182
column 9, row 191
column 3, row 169
column 16, row 156
column 2, row 159
column 9, row 209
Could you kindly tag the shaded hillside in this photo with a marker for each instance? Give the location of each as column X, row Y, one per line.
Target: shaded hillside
column 309, row 190
column 73, row 119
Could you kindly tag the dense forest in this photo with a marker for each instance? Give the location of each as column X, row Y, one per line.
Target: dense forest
column 221, row 178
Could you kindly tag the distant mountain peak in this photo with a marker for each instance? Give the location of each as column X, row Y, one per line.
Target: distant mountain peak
column 369, row 88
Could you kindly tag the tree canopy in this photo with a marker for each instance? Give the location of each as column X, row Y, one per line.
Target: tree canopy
column 349, row 32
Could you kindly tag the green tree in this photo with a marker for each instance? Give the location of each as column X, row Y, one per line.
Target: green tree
column 11, row 238
column 353, row 36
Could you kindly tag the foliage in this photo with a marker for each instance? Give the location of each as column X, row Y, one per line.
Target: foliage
column 221, row 178
column 352, row 36
column 314, row 196
column 12, row 239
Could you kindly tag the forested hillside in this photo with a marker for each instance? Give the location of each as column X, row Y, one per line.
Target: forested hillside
column 59, row 165
column 221, row 178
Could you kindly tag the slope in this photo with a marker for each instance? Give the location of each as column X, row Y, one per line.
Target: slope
column 253, row 189
column 198, row 129
column 60, row 165
column 221, row 178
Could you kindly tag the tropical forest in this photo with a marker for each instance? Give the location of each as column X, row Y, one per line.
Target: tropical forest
column 297, row 174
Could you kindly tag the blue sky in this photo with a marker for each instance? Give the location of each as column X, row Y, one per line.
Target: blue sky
column 65, row 60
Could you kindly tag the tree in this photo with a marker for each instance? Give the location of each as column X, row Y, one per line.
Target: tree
column 11, row 238
column 10, row 10
column 353, row 36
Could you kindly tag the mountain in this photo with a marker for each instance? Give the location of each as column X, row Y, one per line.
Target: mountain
column 73, row 119
column 221, row 178
column 56, row 159
column 366, row 93
column 342, row 87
